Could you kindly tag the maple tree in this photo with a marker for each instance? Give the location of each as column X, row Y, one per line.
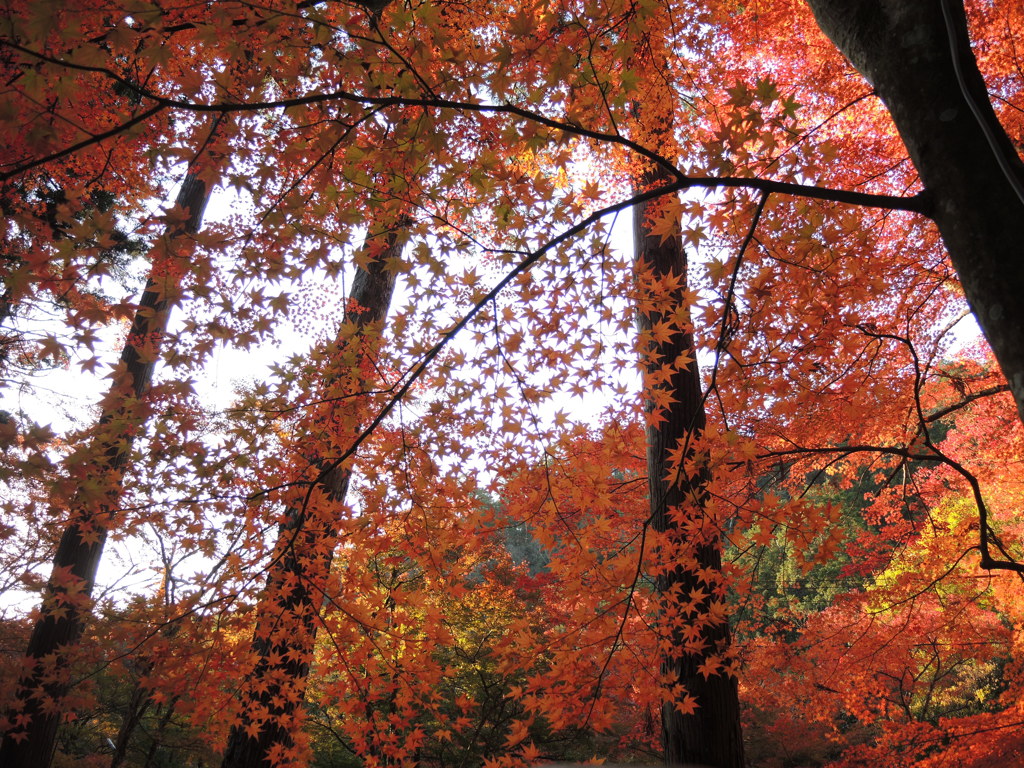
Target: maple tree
column 884, row 677
column 698, row 645
column 309, row 532
column 341, row 563
column 95, row 496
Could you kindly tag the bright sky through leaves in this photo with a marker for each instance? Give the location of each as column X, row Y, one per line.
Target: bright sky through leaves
column 401, row 457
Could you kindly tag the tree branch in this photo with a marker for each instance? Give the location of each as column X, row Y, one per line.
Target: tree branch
column 918, row 203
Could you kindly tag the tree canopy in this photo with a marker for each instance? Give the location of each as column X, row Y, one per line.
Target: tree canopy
column 623, row 396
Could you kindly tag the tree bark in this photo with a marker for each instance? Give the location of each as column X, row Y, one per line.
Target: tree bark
column 287, row 614
column 138, row 703
column 918, row 57
column 711, row 735
column 65, row 608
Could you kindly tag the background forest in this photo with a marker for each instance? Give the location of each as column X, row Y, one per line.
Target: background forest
column 638, row 380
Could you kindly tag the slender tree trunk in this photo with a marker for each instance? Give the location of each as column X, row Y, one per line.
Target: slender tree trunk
column 711, row 735
column 137, row 705
column 918, row 57
column 161, row 729
column 30, row 742
column 288, row 611
column 141, row 699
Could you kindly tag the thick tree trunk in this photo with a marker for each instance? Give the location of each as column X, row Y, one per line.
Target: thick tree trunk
column 288, row 611
column 65, row 608
column 711, row 735
column 917, row 55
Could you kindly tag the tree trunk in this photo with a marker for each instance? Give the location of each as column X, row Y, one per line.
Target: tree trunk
column 161, row 728
column 711, row 735
column 288, row 611
column 917, row 55
column 138, row 703
column 65, row 607
column 141, row 699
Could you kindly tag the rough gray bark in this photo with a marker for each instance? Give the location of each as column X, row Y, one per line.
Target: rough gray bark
column 917, row 55
column 31, row 743
column 273, row 691
column 711, row 735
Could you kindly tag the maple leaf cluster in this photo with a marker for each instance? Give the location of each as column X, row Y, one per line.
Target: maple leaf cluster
column 415, row 451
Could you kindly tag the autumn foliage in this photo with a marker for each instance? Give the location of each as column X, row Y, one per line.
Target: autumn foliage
column 544, row 377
